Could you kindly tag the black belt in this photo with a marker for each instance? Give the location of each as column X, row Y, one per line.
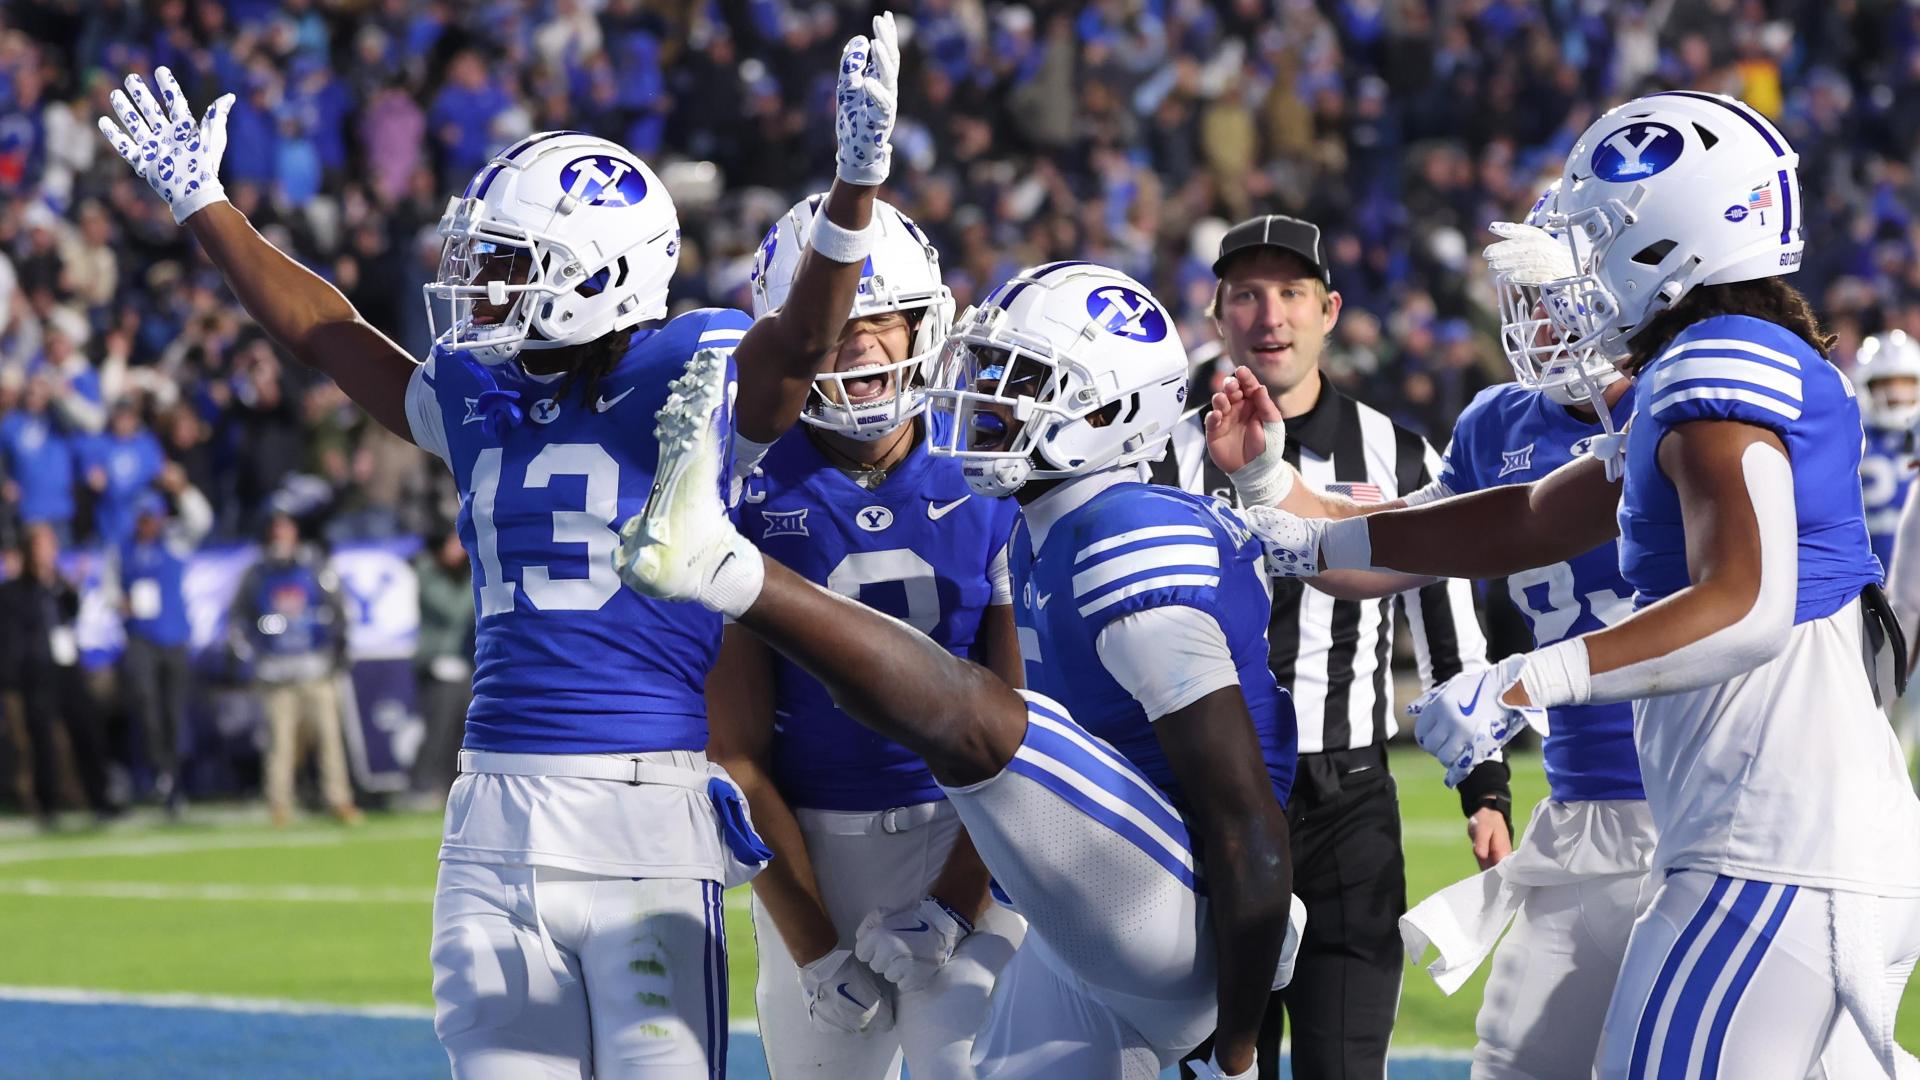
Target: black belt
column 1319, row 776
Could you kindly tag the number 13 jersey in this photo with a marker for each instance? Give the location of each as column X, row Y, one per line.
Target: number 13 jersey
column 566, row 660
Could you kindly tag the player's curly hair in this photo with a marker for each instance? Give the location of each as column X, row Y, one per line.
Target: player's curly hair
column 1769, row 298
column 594, row 361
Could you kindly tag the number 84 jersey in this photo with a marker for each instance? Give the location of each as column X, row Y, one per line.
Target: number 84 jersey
column 921, row 547
column 566, row 661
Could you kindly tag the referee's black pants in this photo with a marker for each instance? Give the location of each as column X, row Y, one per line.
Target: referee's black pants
column 1350, row 871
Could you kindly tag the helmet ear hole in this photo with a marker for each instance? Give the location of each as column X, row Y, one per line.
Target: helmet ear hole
column 1654, row 254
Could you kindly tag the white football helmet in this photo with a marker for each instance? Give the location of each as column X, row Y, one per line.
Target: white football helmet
column 1082, row 357
column 902, row 274
column 1884, row 358
column 1667, row 192
column 590, row 237
column 1536, row 349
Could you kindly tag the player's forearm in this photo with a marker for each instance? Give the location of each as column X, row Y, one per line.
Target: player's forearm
column 1486, row 534
column 787, row 886
column 780, row 355
column 963, row 881
column 288, row 301
column 1249, row 883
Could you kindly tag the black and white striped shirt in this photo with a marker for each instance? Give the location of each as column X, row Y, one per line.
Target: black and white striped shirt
column 1332, row 655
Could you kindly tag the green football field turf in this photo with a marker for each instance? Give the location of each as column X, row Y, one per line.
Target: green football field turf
column 319, row 913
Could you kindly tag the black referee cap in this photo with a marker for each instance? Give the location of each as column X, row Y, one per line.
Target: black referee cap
column 1289, row 234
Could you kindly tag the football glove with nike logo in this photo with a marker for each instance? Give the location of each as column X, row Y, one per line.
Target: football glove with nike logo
column 843, row 995
column 908, row 946
column 1462, row 722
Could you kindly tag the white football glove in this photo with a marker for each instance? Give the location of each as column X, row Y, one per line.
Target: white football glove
column 1292, row 542
column 174, row 153
column 1528, row 254
column 908, row 946
column 1462, row 721
column 842, row 995
column 866, row 103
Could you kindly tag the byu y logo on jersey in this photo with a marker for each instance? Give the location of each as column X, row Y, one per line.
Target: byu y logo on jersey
column 874, row 518
column 1636, row 152
column 1125, row 313
column 603, row 180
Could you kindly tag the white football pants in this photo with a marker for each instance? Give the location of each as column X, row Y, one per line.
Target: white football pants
column 862, row 862
column 548, row 973
column 1116, row 977
column 1728, row 977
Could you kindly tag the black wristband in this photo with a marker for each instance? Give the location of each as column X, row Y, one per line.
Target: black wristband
column 1488, row 785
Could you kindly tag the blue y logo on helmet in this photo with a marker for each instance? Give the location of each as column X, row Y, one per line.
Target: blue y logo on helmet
column 603, row 180
column 764, row 261
column 1123, row 312
column 1636, row 152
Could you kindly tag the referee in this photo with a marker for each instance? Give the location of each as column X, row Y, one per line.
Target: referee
column 1275, row 307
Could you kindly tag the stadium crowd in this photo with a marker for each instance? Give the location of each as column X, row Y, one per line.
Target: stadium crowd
column 1126, row 131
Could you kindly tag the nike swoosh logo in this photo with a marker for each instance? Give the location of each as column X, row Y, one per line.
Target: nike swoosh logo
column 842, row 988
column 921, row 929
column 1041, row 603
column 935, row 512
column 606, row 402
column 1474, row 702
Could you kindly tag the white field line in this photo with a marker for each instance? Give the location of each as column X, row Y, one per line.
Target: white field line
column 134, row 847
column 268, row 894
column 63, row 995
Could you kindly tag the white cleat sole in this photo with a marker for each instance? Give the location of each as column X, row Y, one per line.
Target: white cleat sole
column 688, row 473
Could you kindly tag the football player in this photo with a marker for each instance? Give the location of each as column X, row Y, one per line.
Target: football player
column 1775, row 944
column 1886, row 374
column 1577, row 879
column 578, row 922
column 1147, row 848
column 871, row 864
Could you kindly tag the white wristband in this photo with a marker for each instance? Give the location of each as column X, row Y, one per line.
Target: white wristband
column 1347, row 545
column 1267, row 479
column 738, row 582
column 841, row 245
column 1558, row 674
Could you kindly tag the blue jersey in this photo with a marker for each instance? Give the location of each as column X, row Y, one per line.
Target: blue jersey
column 1129, row 548
column 1735, row 367
column 566, row 659
column 1512, row 435
column 1886, row 479
column 920, row 547
column 40, row 458
column 130, row 464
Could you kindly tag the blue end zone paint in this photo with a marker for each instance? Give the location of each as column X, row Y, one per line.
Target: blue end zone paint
column 57, row 1041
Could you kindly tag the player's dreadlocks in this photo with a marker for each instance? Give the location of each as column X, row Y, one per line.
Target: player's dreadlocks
column 593, row 362
column 1770, row 298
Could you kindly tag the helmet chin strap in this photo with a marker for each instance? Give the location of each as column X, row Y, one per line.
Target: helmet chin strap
column 997, row 477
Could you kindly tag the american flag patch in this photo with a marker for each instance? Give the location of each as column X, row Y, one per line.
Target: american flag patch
column 1358, row 492
column 1761, row 197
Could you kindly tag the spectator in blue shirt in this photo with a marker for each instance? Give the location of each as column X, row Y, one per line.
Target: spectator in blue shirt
column 39, row 462
column 153, row 566
column 120, row 464
column 463, row 113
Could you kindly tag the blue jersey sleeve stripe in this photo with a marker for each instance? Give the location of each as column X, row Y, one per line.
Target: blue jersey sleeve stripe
column 1107, row 571
column 1726, row 371
column 1735, row 346
column 1162, row 581
column 1727, row 393
column 1157, row 568
column 1134, row 536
